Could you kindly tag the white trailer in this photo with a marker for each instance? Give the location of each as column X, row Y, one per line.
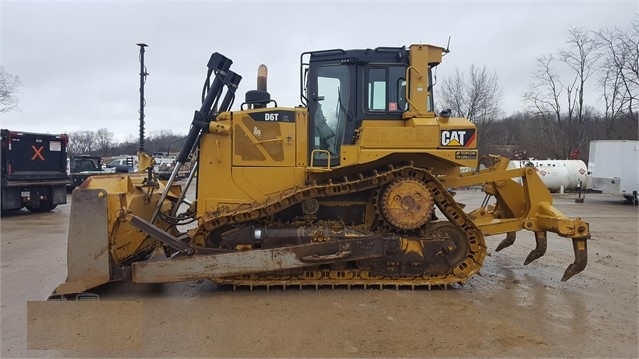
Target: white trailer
column 613, row 168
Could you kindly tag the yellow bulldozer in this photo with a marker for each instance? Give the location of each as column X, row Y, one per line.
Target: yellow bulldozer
column 354, row 187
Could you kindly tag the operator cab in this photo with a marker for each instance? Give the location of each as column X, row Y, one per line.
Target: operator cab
column 343, row 88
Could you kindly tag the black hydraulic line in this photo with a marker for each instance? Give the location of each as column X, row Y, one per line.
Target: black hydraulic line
column 232, row 81
column 143, row 75
column 219, row 64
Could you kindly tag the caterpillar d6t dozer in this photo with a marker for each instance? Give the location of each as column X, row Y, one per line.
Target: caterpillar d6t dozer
column 353, row 187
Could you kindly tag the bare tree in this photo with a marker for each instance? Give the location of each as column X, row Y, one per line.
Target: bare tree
column 555, row 100
column 581, row 56
column 544, row 96
column 476, row 96
column 81, row 142
column 621, row 71
column 613, row 94
column 544, row 91
column 103, row 141
column 162, row 141
column 8, row 87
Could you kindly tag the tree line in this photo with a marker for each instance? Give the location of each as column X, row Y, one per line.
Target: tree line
column 101, row 143
column 557, row 122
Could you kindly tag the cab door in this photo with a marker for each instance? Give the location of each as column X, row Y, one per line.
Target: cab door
column 331, row 93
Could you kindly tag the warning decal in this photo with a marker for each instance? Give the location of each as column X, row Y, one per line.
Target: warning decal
column 466, row 155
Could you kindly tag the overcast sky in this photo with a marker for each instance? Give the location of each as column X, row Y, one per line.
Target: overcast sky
column 78, row 60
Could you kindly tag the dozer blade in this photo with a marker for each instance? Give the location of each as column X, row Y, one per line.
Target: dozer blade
column 88, row 242
column 258, row 261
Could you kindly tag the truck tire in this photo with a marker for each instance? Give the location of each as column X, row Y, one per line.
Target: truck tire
column 44, row 207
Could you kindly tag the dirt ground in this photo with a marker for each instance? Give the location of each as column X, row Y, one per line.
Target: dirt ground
column 510, row 310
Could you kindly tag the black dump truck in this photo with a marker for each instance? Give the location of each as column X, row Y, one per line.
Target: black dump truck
column 33, row 170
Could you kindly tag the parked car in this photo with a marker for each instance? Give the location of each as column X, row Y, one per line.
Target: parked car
column 82, row 167
column 164, row 166
column 123, row 164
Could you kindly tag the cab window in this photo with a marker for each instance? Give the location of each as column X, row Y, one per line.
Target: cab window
column 386, row 89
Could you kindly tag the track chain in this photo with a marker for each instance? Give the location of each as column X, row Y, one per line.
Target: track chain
column 350, row 277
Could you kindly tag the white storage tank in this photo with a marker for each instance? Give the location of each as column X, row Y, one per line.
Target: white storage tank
column 556, row 174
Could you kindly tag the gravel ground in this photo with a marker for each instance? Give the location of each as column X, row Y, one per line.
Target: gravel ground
column 510, row 310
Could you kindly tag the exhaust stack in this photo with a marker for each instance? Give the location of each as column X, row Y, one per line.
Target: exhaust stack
column 259, row 98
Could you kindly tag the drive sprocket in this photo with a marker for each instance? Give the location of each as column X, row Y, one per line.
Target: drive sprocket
column 406, row 204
